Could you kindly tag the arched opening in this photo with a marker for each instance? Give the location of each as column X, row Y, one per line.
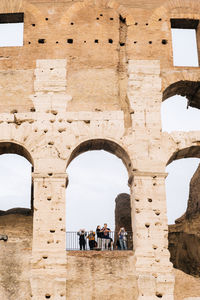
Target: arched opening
column 16, row 218
column 180, row 109
column 15, row 174
column 183, row 205
column 96, row 178
column 185, row 88
column 180, row 173
column 177, row 116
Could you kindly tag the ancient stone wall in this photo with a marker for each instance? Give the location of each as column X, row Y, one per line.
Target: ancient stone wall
column 104, row 270
column 92, row 75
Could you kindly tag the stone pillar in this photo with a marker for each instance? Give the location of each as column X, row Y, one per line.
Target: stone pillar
column 48, row 265
column 123, row 217
column 150, row 236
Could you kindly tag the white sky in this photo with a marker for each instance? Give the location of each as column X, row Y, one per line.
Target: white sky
column 13, row 36
column 184, row 47
column 97, row 177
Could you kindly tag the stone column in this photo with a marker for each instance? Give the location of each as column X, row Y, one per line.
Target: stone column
column 48, row 265
column 150, row 236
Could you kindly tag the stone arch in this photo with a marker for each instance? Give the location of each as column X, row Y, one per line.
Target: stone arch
column 102, row 144
column 177, row 9
column 15, row 148
column 120, row 9
column 20, row 135
column 118, row 150
column 187, row 88
column 15, row 6
column 189, row 152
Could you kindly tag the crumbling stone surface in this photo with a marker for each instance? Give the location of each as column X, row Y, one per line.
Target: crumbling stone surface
column 184, row 245
column 84, row 266
column 13, row 211
column 15, row 256
column 194, row 195
column 185, row 251
column 186, row 287
column 184, row 236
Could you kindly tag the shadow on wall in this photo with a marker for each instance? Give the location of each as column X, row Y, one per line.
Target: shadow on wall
column 184, row 236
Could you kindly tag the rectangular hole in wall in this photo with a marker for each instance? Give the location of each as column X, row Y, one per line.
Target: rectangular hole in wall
column 11, row 29
column 184, row 42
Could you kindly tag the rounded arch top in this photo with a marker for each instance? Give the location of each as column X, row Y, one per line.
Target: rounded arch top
column 102, row 144
column 113, row 4
column 189, row 152
column 189, row 9
column 189, row 89
column 7, row 147
column 22, row 6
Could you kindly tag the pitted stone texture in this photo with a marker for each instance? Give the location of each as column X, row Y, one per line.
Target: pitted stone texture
column 194, row 195
column 50, row 75
column 50, row 85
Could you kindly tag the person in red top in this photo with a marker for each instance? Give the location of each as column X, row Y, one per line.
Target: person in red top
column 105, row 237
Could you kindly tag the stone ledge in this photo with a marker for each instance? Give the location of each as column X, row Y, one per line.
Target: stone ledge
column 100, row 254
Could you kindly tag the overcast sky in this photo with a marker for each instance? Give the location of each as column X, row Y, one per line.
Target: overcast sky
column 97, row 177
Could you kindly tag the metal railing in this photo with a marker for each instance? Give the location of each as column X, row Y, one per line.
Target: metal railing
column 72, row 241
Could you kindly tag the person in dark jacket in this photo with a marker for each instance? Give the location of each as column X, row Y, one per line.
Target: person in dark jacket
column 99, row 237
column 82, row 241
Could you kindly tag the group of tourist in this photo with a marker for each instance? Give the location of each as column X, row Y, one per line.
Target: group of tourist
column 103, row 240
